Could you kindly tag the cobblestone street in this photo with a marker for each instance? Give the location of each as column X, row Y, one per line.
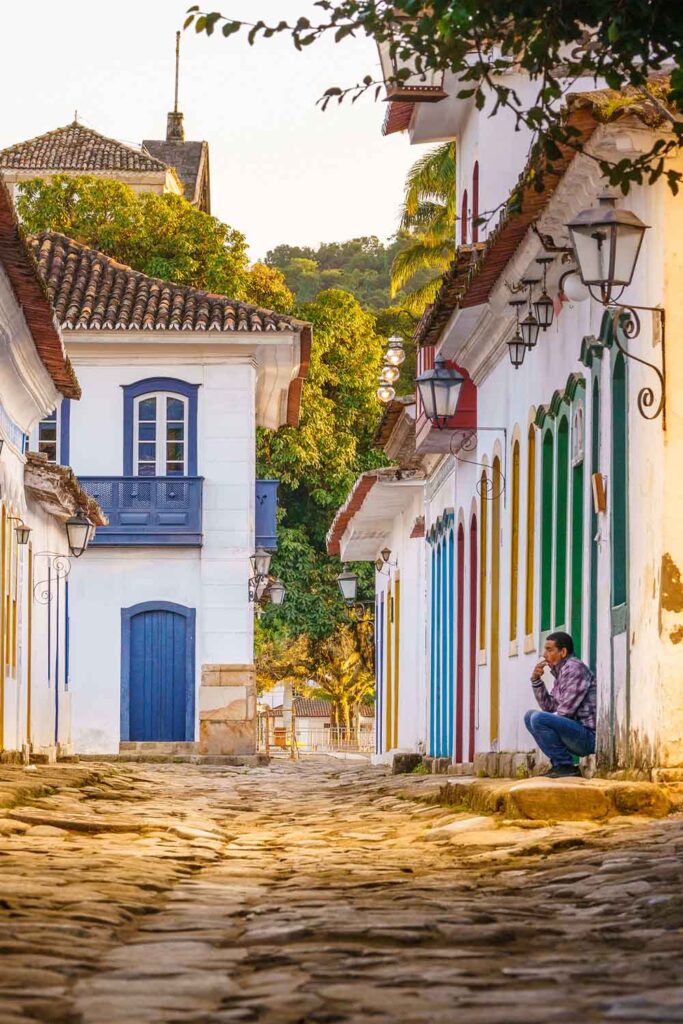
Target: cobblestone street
column 321, row 892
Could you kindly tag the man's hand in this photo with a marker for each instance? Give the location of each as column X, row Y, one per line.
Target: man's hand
column 538, row 671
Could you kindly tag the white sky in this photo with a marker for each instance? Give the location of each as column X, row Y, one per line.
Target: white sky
column 281, row 170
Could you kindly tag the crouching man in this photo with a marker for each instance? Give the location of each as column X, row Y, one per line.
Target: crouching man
column 565, row 725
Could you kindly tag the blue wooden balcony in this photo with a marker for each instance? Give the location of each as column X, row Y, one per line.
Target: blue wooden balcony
column 154, row 510
column 266, row 514
column 167, row 510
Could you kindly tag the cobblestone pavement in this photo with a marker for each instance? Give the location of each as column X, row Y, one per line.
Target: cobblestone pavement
column 317, row 892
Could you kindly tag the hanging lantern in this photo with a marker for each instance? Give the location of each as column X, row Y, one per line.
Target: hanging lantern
column 606, row 244
column 529, row 328
column 517, row 348
column 544, row 309
column 395, row 354
column 439, row 390
column 385, row 393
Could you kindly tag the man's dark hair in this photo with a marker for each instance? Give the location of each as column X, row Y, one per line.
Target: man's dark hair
column 562, row 640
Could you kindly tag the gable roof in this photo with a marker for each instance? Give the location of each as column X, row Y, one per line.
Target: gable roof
column 18, row 263
column 476, row 269
column 91, row 291
column 77, row 148
column 316, row 707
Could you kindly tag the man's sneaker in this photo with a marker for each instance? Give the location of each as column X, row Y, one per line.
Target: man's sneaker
column 564, row 771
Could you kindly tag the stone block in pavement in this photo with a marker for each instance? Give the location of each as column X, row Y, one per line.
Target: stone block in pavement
column 405, row 763
column 560, row 800
column 640, row 798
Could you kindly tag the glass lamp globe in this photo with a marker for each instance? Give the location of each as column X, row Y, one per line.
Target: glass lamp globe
column 395, row 353
column 389, row 374
column 385, row 392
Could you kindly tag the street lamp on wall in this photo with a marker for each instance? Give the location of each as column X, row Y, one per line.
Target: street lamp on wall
column 348, row 587
column 606, row 243
column 439, row 390
column 22, row 531
column 78, row 533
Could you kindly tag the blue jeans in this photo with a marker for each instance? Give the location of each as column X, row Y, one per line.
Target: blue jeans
column 559, row 737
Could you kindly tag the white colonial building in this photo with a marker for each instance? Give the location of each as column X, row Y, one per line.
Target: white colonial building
column 551, row 499
column 175, row 382
column 36, row 501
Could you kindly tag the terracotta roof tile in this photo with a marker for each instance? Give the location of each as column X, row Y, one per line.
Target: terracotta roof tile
column 16, row 259
column 77, row 148
column 91, row 291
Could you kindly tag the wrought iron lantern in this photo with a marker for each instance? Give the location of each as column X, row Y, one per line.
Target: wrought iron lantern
column 276, row 592
column 606, row 243
column 78, row 531
column 517, row 349
column 528, row 329
column 348, row 585
column 395, row 354
column 260, row 562
column 544, row 309
column 439, row 390
column 23, row 532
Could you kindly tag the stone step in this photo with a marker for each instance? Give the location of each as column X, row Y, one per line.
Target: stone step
column 158, row 747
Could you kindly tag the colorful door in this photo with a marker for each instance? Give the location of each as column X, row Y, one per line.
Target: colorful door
column 157, row 672
column 459, row 650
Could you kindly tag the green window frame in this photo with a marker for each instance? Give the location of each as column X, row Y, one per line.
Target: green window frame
column 547, row 491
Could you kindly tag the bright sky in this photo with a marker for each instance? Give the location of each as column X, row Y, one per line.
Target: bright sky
column 281, row 170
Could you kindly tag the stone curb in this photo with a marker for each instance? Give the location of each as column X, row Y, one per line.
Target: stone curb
column 559, row 800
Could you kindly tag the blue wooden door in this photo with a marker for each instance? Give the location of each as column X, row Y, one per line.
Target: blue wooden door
column 157, row 700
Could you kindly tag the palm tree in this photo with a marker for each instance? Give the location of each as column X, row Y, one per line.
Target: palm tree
column 342, row 675
column 428, row 225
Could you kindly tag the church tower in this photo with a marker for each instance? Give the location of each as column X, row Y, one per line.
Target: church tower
column 190, row 159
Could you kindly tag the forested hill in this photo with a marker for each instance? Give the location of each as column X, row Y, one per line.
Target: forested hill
column 360, row 266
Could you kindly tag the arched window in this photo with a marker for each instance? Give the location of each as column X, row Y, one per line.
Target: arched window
column 530, row 533
column 561, row 517
column 547, row 463
column 514, row 543
column 160, row 428
column 619, row 517
column 483, row 560
column 475, row 202
column 463, row 219
column 578, row 442
column 495, row 599
column 595, row 468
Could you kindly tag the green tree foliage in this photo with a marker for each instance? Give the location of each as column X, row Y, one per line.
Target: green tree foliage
column 164, row 236
column 428, row 223
column 361, row 266
column 551, row 41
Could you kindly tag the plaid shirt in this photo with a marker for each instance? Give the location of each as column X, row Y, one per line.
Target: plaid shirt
column 573, row 694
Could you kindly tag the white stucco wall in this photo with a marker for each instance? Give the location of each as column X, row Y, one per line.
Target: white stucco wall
column 211, row 579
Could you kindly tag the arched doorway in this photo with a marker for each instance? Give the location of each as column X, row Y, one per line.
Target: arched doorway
column 157, row 672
